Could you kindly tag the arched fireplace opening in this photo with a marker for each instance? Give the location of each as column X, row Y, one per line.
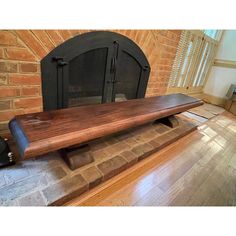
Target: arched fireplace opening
column 92, row 68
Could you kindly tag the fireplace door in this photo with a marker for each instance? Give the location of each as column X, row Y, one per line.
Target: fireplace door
column 93, row 68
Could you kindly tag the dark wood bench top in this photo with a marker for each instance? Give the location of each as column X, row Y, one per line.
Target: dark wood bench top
column 43, row 132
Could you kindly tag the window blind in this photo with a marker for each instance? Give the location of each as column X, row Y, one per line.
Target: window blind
column 194, row 57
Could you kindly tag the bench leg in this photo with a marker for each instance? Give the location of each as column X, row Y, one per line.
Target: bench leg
column 170, row 121
column 77, row 156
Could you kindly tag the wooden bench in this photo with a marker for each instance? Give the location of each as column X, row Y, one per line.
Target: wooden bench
column 43, row 132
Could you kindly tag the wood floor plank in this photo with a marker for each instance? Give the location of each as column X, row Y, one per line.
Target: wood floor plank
column 184, row 185
column 211, row 191
column 192, row 181
column 131, row 193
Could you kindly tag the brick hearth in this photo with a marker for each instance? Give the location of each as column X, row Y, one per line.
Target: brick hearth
column 48, row 180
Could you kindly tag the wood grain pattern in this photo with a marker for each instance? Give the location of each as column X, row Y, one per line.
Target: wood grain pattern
column 43, row 132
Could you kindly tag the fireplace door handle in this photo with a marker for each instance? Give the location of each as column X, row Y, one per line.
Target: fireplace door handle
column 113, row 65
column 62, row 63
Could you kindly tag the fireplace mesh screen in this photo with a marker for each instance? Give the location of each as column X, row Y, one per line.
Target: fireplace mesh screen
column 87, row 77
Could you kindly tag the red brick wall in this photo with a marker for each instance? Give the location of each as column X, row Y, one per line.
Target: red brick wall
column 22, row 50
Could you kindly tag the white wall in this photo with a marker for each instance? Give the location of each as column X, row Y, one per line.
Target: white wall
column 221, row 78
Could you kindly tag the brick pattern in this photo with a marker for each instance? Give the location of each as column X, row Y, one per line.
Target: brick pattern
column 19, row 78
column 49, row 181
column 22, row 50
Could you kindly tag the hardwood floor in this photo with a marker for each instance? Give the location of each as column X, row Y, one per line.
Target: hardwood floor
column 197, row 170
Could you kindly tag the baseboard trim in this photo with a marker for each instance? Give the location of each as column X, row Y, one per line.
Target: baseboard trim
column 214, row 100
column 225, row 63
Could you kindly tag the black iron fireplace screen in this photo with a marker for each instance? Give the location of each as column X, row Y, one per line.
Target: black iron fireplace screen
column 91, row 68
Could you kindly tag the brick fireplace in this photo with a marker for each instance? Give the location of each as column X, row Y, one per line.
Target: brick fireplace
column 22, row 50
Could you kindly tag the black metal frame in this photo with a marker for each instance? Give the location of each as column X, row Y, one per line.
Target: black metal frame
column 55, row 69
column 6, row 156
